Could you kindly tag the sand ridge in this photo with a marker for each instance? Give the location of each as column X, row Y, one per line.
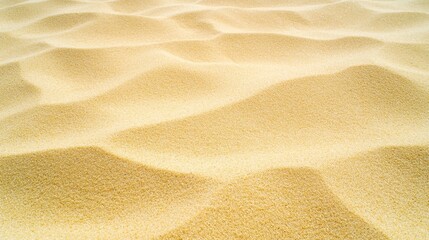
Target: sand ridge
column 214, row 119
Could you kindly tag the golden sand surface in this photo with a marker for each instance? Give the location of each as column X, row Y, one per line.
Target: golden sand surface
column 214, row 119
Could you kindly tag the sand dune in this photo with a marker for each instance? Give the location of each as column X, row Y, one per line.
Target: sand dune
column 88, row 185
column 49, row 125
column 86, row 181
column 263, row 201
column 15, row 91
column 357, row 106
column 214, row 119
column 396, row 200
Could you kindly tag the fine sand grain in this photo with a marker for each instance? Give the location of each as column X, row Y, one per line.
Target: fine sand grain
column 214, row 119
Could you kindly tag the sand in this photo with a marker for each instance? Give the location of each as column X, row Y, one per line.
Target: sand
column 214, row 119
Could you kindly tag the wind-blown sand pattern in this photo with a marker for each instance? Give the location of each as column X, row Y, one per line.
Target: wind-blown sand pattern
column 214, row 119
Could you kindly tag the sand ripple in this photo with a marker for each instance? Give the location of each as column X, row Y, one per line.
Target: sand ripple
column 214, row 119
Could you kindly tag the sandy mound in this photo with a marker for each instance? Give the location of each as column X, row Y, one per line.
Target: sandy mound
column 88, row 185
column 257, row 206
column 214, row 119
column 357, row 105
column 396, row 199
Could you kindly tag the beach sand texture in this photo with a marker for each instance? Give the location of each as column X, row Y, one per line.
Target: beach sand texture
column 214, row 119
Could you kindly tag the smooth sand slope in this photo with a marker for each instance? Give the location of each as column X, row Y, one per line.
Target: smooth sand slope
column 214, row 119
